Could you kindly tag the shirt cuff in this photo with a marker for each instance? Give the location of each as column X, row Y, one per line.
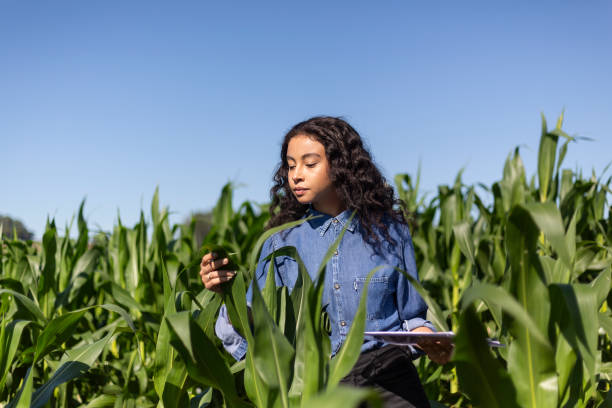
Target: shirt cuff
column 409, row 325
column 232, row 341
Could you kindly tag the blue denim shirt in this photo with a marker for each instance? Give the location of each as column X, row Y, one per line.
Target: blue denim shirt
column 392, row 304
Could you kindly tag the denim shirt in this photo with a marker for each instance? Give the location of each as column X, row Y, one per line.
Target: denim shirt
column 392, row 303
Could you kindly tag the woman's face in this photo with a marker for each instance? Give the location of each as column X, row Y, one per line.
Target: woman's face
column 308, row 174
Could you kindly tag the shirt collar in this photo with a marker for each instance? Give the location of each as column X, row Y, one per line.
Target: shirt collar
column 327, row 220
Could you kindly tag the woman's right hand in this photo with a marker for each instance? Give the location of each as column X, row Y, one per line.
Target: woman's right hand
column 212, row 276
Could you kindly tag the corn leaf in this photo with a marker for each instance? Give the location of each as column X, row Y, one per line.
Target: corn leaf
column 202, row 359
column 481, row 376
column 272, row 352
column 24, row 396
column 10, row 337
column 531, row 362
column 346, row 397
column 546, row 161
column 576, row 314
column 76, row 362
column 56, row 332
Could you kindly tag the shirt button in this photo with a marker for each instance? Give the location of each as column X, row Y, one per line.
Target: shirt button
column 342, row 323
column 337, row 286
column 335, row 221
column 336, row 253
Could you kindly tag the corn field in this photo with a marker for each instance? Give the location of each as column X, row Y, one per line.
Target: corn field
column 121, row 319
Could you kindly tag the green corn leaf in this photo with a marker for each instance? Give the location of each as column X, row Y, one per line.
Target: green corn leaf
column 601, row 284
column 223, row 212
column 82, row 271
column 481, row 376
column 10, row 338
column 570, row 238
column 309, row 358
column 61, row 328
column 24, row 395
column 47, row 287
column 512, row 185
column 164, row 353
column 76, row 362
column 605, row 322
column 568, row 370
column 122, row 296
column 236, row 304
column 533, row 373
column 269, row 292
column 496, row 295
column 272, row 352
column 448, row 213
column 434, row 311
column 83, row 239
column 256, row 389
column 102, row 401
column 346, row 397
column 202, row 358
column 300, row 289
column 120, row 311
column 318, row 351
column 463, row 235
column 267, row 234
column 531, row 362
column 548, row 219
column 175, row 392
column 155, row 215
column 28, row 306
column 546, row 161
column 576, row 314
column 567, row 177
column 286, row 317
column 57, row 332
column 208, row 315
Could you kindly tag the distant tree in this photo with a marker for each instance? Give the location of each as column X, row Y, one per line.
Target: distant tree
column 203, row 224
column 9, row 224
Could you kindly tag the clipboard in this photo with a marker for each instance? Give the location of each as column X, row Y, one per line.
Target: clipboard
column 404, row 338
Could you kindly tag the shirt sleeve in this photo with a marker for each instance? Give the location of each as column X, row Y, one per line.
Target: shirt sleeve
column 232, row 341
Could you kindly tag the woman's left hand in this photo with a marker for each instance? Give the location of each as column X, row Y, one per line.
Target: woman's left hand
column 438, row 351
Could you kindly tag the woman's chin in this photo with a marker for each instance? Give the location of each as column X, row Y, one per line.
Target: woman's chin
column 302, row 199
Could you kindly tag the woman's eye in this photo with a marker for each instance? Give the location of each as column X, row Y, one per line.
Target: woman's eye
column 311, row 165
column 291, row 167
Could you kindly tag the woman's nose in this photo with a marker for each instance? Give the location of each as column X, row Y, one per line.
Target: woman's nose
column 297, row 174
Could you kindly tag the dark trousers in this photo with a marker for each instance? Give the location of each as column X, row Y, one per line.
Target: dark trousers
column 389, row 370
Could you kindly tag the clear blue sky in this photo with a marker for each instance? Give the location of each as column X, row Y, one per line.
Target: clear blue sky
column 107, row 100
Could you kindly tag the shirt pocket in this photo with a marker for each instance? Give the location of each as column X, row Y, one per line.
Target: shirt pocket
column 377, row 283
column 287, row 272
column 379, row 298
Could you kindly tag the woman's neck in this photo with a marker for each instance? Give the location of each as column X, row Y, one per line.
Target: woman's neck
column 331, row 209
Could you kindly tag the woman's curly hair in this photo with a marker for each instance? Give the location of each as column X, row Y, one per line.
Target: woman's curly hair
column 354, row 175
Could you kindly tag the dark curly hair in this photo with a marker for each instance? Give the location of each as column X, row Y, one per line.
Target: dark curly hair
column 354, row 175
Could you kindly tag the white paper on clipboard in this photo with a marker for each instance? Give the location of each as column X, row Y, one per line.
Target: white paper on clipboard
column 404, row 338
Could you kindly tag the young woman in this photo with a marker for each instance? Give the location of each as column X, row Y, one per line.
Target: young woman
column 326, row 171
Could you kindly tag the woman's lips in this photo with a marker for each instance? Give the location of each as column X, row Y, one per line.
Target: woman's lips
column 299, row 191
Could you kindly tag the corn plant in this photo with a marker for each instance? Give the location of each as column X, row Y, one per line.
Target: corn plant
column 121, row 318
column 536, row 261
